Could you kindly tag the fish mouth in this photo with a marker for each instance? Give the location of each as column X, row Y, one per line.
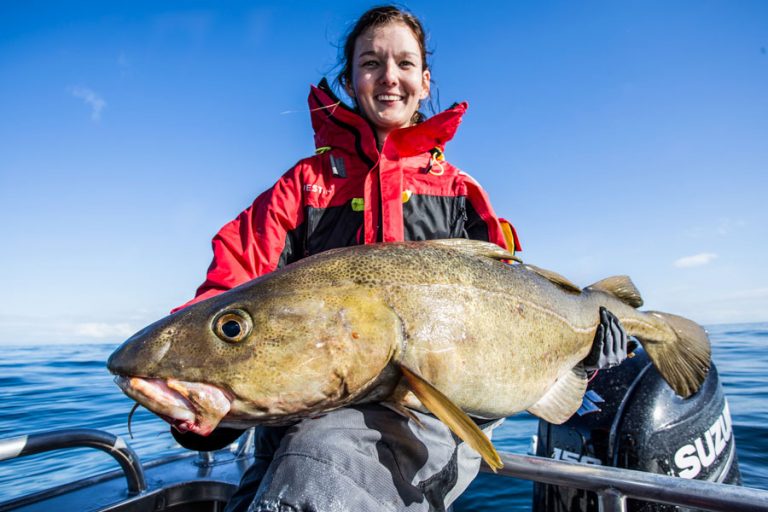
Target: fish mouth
column 188, row 406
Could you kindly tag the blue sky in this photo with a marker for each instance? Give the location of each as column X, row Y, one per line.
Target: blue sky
column 618, row 137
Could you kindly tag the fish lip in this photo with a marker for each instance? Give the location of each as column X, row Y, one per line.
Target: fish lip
column 174, row 405
column 188, row 406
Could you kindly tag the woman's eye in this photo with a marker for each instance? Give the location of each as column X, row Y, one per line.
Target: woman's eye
column 406, row 64
column 369, row 64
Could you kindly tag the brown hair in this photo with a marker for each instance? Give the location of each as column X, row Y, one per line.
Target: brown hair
column 378, row 17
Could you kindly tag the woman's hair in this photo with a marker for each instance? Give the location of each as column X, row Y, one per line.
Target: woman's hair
column 378, row 17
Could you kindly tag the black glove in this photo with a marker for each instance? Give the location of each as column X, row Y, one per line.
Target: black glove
column 610, row 345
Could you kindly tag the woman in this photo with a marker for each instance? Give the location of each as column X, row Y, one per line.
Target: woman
column 378, row 176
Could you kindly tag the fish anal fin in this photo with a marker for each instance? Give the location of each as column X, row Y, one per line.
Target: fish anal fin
column 475, row 248
column 450, row 414
column 563, row 398
column 620, row 287
column 556, row 278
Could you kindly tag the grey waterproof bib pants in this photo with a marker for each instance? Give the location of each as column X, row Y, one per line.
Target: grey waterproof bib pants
column 363, row 458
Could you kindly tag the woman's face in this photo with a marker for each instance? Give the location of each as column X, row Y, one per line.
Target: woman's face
column 388, row 80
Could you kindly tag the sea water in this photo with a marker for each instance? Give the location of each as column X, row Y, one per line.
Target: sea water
column 53, row 387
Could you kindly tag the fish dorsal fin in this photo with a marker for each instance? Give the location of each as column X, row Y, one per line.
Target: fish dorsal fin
column 620, row 287
column 556, row 278
column 475, row 248
column 563, row 398
column 456, row 419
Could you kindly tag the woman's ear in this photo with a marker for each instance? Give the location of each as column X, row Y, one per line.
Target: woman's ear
column 350, row 90
column 425, row 84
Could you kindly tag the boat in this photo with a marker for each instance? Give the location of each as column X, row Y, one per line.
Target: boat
column 204, row 481
column 631, row 429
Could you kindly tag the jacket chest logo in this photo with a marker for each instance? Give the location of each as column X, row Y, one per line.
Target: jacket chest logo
column 317, row 189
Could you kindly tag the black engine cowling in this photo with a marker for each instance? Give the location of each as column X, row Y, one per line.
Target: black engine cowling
column 632, row 419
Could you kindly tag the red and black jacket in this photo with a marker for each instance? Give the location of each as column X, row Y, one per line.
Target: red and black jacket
column 351, row 193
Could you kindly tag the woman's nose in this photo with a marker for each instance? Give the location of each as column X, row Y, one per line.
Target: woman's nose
column 389, row 74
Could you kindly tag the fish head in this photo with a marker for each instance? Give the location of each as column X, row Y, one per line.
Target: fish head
column 255, row 356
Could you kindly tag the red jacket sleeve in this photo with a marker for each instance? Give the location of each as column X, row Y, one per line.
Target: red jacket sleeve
column 485, row 222
column 251, row 245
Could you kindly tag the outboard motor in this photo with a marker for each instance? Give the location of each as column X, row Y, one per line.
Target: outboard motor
column 632, row 419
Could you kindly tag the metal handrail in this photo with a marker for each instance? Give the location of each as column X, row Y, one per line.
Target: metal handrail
column 614, row 485
column 21, row 446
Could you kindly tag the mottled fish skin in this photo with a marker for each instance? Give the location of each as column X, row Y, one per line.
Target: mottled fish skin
column 332, row 329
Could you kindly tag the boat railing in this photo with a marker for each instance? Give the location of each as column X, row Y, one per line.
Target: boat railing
column 111, row 444
column 614, row 485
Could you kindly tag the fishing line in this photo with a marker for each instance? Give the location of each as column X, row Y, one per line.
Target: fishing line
column 333, row 106
column 130, row 417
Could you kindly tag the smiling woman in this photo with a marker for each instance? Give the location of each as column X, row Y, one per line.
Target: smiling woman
column 379, row 175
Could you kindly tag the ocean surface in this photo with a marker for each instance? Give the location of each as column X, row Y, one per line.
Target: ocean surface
column 53, row 387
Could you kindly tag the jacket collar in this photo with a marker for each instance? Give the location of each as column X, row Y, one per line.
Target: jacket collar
column 338, row 125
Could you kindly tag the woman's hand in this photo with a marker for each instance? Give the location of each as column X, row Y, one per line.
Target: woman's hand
column 610, row 346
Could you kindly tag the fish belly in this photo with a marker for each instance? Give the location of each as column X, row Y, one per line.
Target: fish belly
column 490, row 351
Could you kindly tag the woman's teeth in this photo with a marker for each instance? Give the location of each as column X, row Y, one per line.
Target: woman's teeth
column 388, row 97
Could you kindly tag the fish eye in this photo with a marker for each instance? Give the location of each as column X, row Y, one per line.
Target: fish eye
column 232, row 325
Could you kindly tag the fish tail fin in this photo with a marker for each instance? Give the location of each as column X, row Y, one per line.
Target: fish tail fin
column 456, row 419
column 684, row 361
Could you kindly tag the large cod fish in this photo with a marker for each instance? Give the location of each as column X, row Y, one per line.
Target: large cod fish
column 444, row 326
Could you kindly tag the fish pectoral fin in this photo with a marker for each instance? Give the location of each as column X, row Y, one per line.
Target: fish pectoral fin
column 404, row 412
column 563, row 398
column 456, row 419
column 554, row 277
